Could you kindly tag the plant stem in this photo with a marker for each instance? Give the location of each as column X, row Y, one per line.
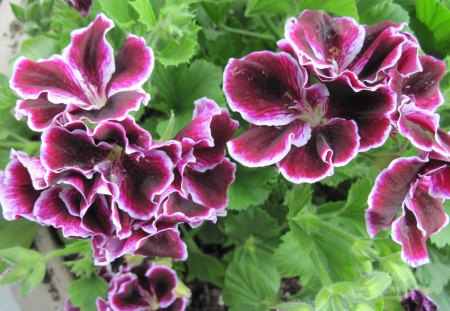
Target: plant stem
column 272, row 28
column 247, row 33
column 331, row 229
column 320, row 269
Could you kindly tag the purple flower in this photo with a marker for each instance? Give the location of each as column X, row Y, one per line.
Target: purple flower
column 417, row 300
column 331, row 47
column 203, row 175
column 144, row 287
column 305, row 130
column 418, row 187
column 418, row 96
column 82, row 6
column 86, row 82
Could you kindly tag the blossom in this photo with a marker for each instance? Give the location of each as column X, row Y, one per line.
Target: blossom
column 416, row 186
column 145, row 287
column 332, row 47
column 203, row 175
column 305, row 130
column 86, row 81
column 418, row 300
column 418, row 97
column 82, row 6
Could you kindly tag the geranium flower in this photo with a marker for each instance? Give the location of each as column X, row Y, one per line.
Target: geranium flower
column 147, row 287
column 332, row 47
column 203, row 175
column 418, row 187
column 416, row 300
column 305, row 130
column 418, row 97
column 86, row 82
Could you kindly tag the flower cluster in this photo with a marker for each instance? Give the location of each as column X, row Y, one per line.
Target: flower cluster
column 111, row 182
column 147, row 286
column 336, row 89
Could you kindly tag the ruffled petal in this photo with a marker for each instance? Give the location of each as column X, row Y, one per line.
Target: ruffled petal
column 372, row 118
column 267, row 145
column 164, row 244
column 328, row 44
column 17, row 194
column 263, row 86
column 389, row 192
column 163, row 282
column 423, row 86
column 440, row 184
column 333, row 144
column 54, row 76
column 179, row 209
column 382, row 54
column 134, row 64
column 209, row 188
column 82, row 6
column 40, row 112
column 418, row 125
column 51, row 210
column 117, row 107
column 92, row 58
column 60, row 150
column 406, row 233
column 140, row 181
column 428, row 211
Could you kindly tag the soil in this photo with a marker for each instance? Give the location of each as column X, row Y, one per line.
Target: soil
column 205, row 297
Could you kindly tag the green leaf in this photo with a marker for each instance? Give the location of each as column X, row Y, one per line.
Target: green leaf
column 177, row 88
column 85, row 291
column 251, row 222
column 250, row 188
column 34, row 278
column 293, row 259
column 373, row 285
column 18, row 255
column 204, row 267
column 175, row 53
column 297, row 198
column 341, row 8
column 251, row 278
column 436, row 18
column 38, row 47
column 145, row 11
column 12, row 275
column 371, row 12
column 269, row 6
column 18, row 11
column 442, row 238
column 118, row 10
column 402, row 277
column 435, row 276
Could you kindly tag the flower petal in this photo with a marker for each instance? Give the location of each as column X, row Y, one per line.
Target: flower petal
column 40, row 112
column 117, row 107
column 325, row 42
column 423, row 86
column 140, row 181
column 134, row 64
column 51, row 210
column 82, row 6
column 267, row 145
column 263, row 86
column 180, row 209
column 372, row 118
column 92, row 57
column 60, row 150
column 163, row 282
column 428, row 211
column 440, row 184
column 389, row 192
column 209, row 188
column 406, row 233
column 17, row 193
column 164, row 244
column 418, row 125
column 54, row 76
